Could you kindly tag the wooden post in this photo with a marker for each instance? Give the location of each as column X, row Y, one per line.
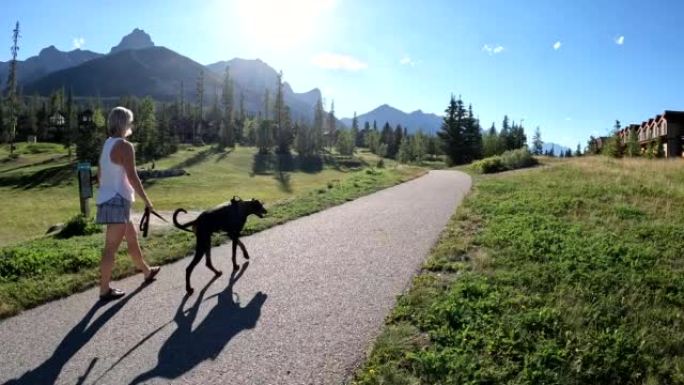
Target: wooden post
column 85, row 187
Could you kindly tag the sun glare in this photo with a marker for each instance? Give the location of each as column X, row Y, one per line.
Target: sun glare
column 280, row 24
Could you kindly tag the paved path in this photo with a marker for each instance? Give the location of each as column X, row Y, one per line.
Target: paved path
column 304, row 312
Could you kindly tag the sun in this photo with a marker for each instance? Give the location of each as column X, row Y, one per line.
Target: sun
column 280, row 24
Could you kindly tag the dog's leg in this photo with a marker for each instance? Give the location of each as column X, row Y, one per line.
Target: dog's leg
column 235, row 265
column 199, row 252
column 244, row 249
column 209, row 264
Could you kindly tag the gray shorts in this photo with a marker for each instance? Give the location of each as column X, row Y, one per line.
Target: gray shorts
column 115, row 210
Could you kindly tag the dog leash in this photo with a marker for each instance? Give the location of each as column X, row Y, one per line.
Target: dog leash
column 145, row 220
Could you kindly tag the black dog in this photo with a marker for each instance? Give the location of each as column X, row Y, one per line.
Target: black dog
column 228, row 218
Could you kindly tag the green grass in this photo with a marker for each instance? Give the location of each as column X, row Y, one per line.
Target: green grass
column 568, row 274
column 38, row 195
column 37, row 271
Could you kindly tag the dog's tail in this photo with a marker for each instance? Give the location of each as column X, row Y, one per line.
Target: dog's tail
column 182, row 226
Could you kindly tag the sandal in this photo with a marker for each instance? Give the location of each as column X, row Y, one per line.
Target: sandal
column 152, row 274
column 112, row 294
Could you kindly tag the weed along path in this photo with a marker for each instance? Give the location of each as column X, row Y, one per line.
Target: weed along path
column 303, row 311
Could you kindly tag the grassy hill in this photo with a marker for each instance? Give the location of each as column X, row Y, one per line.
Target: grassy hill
column 39, row 188
column 567, row 274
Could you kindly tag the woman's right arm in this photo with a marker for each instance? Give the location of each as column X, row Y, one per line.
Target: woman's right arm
column 128, row 163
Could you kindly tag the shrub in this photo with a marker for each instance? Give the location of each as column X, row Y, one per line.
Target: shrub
column 519, row 158
column 78, row 225
column 509, row 160
column 41, row 148
column 489, row 165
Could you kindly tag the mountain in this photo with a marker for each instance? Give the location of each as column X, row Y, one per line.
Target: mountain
column 428, row 123
column 557, row 148
column 155, row 71
column 253, row 77
column 49, row 60
column 137, row 67
column 137, row 39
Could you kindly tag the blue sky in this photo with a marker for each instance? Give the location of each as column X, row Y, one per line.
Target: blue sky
column 571, row 67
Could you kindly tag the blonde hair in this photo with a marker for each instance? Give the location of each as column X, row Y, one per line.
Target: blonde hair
column 119, row 120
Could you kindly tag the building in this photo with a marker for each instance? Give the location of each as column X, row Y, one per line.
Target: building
column 668, row 127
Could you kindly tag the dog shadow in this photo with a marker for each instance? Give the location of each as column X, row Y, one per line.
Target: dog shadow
column 78, row 336
column 187, row 348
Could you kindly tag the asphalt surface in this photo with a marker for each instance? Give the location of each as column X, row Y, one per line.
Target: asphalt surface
column 305, row 310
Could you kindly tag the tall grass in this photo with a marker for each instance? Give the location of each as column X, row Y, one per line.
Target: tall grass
column 570, row 274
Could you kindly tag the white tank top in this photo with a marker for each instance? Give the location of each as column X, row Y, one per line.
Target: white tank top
column 113, row 179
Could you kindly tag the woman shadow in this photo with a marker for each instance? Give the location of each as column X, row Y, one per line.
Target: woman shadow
column 186, row 348
column 78, row 336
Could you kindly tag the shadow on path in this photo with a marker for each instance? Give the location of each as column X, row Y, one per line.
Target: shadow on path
column 78, row 336
column 186, row 348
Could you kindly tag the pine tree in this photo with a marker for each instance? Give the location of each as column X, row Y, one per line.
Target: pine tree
column 358, row 139
column 332, row 125
column 396, row 141
column 264, row 136
column 304, row 141
column 345, row 143
column 658, row 152
column 387, row 139
column 405, row 151
column 537, row 144
column 279, row 119
column 89, row 138
column 319, row 119
column 227, row 134
column 633, row 148
column 472, row 137
column 197, row 133
column 32, row 115
column 71, row 124
column 451, row 132
column 612, row 147
column 578, row 151
column 181, row 100
column 3, row 130
column 373, row 141
column 167, row 142
column 267, row 104
column 240, row 123
column 490, row 142
column 419, row 146
column 505, row 135
column 147, row 130
column 592, row 146
column 12, row 101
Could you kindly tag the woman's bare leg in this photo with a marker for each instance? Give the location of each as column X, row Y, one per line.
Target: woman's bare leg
column 134, row 249
column 113, row 237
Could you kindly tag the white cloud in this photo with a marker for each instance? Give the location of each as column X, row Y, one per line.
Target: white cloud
column 335, row 61
column 557, row 45
column 492, row 50
column 406, row 60
column 78, row 42
column 620, row 40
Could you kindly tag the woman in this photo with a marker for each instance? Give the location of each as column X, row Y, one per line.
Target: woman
column 119, row 182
